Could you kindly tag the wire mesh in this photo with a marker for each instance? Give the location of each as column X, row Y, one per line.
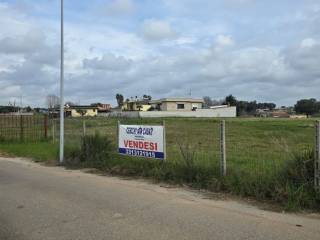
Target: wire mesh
column 253, row 147
column 264, row 147
column 23, row 128
column 198, row 139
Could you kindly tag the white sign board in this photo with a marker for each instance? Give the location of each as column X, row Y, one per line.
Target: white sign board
column 142, row 141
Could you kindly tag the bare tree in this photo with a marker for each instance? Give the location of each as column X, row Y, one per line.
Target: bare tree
column 53, row 101
column 207, row 101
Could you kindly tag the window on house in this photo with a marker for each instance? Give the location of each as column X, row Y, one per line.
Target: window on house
column 180, row 106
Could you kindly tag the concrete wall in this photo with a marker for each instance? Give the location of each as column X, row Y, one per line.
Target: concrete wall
column 200, row 113
column 134, row 114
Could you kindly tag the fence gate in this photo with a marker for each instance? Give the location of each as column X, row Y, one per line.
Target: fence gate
column 23, row 127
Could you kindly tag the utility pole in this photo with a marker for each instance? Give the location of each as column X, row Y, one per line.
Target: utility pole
column 62, row 91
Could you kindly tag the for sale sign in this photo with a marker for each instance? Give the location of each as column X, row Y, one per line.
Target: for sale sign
column 142, row 141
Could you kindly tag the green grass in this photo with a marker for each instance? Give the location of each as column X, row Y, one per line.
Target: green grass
column 259, row 153
column 40, row 151
column 251, row 143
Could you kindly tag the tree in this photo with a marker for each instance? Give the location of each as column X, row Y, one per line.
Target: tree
column 119, row 98
column 307, row 106
column 207, row 101
column 8, row 109
column 28, row 109
column 230, row 100
column 53, row 101
column 148, row 97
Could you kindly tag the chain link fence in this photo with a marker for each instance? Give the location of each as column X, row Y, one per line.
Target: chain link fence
column 253, row 147
column 265, row 146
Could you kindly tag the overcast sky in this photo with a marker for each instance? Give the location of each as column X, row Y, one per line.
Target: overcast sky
column 253, row 49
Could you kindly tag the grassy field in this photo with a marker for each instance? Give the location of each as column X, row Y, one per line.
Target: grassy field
column 264, row 156
column 40, row 151
column 250, row 142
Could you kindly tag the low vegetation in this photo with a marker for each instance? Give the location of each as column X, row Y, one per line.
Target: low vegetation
column 267, row 159
column 40, row 151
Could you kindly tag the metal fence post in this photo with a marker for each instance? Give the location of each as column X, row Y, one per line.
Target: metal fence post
column 53, row 131
column 21, row 127
column 317, row 157
column 223, row 157
column 84, row 127
column 45, row 126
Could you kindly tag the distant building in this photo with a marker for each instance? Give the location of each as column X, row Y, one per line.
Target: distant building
column 177, row 104
column 282, row 112
column 81, row 111
column 279, row 114
column 300, row 116
column 102, row 107
column 137, row 105
column 263, row 112
column 172, row 107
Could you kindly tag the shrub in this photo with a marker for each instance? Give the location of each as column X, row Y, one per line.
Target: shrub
column 301, row 169
column 297, row 178
column 292, row 185
column 72, row 155
column 94, row 151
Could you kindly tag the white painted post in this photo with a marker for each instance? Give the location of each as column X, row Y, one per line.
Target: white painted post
column 317, row 157
column 164, row 140
column 223, row 157
column 61, row 149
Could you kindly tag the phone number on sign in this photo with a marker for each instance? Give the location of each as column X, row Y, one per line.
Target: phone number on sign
column 140, row 153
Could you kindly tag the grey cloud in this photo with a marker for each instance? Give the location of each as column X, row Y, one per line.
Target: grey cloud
column 260, row 73
column 157, row 30
column 32, row 72
column 46, row 56
column 28, row 73
column 250, row 71
column 107, row 62
column 27, row 43
column 120, row 7
column 304, row 59
column 264, row 74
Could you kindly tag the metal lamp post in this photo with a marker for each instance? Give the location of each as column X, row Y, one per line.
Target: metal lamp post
column 61, row 152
